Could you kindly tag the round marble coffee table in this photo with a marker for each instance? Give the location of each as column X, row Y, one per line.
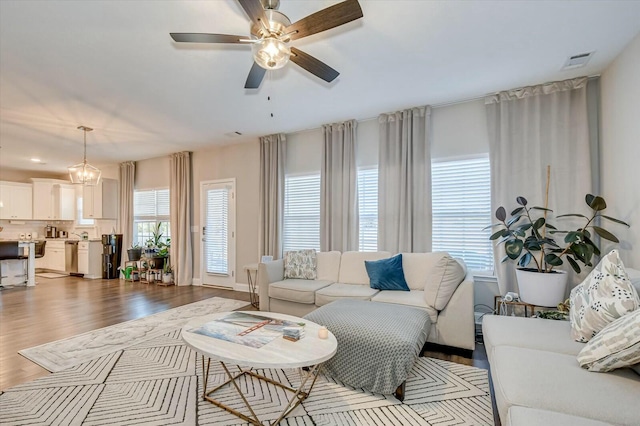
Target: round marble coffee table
column 226, row 337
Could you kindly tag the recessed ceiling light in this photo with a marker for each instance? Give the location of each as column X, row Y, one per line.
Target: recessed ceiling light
column 36, row 160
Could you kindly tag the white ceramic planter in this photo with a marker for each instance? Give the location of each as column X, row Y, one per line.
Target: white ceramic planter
column 541, row 289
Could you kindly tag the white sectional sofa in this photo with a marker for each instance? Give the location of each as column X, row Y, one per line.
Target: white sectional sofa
column 537, row 379
column 343, row 275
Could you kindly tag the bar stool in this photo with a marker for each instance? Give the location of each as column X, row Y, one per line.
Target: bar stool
column 9, row 250
column 38, row 252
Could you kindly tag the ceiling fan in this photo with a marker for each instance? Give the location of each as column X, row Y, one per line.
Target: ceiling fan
column 271, row 33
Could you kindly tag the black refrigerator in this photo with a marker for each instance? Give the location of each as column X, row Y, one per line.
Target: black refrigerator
column 111, row 255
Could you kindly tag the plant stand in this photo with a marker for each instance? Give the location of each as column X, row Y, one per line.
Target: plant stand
column 135, row 272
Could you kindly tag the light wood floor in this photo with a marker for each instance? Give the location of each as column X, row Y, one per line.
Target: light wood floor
column 63, row 307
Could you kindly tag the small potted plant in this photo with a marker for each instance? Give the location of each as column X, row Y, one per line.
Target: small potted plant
column 528, row 237
column 135, row 252
column 167, row 272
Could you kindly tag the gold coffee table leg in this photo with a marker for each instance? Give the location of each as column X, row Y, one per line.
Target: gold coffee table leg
column 299, row 394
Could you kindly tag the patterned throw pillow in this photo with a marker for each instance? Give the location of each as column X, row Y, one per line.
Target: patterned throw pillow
column 615, row 346
column 604, row 296
column 301, row 264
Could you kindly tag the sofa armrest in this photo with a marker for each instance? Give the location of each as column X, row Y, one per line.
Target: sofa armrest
column 456, row 322
column 268, row 273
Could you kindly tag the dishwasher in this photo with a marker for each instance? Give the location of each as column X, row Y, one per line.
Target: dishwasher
column 71, row 257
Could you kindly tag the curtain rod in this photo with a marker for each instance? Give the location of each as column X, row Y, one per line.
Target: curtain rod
column 440, row 105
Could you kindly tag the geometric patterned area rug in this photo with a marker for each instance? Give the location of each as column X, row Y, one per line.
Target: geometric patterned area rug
column 158, row 382
column 65, row 353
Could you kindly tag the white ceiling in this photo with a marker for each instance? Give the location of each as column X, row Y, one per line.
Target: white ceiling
column 111, row 65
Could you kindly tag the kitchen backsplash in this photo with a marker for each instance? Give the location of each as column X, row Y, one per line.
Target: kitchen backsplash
column 12, row 231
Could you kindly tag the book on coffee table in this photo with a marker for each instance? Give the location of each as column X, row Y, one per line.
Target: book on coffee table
column 246, row 329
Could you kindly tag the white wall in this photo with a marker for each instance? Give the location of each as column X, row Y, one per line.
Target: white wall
column 242, row 162
column 620, row 148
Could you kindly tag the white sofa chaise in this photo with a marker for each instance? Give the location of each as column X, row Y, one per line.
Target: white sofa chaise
column 538, row 380
column 344, row 276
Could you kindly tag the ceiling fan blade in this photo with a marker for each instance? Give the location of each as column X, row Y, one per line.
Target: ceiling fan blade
column 206, row 38
column 254, row 10
column 313, row 65
column 255, row 77
column 325, row 19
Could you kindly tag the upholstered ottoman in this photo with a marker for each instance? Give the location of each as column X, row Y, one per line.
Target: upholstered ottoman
column 378, row 343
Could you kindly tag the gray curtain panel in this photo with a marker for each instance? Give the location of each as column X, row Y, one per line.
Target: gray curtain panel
column 338, row 188
column 127, row 181
column 404, row 181
column 180, row 209
column 531, row 128
column 272, row 163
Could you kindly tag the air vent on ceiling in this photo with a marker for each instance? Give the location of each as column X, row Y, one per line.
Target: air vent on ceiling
column 577, row 61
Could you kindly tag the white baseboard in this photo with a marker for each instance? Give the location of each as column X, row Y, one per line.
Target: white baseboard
column 197, row 282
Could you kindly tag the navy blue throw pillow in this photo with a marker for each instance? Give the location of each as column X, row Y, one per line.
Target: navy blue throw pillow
column 386, row 274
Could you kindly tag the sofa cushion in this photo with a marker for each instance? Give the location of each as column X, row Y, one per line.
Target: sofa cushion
column 417, row 267
column 386, row 274
column 352, row 270
column 532, row 333
column 328, row 265
column 442, row 281
column 604, row 296
column 343, row 291
column 301, row 264
column 525, row 416
column 295, row 290
column 408, row 298
column 615, row 346
column 555, row 382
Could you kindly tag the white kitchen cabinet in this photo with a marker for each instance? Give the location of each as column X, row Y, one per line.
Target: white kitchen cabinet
column 53, row 200
column 100, row 201
column 55, row 254
column 16, row 200
column 90, row 259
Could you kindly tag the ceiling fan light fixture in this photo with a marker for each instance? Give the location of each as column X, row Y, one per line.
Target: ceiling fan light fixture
column 271, row 53
column 84, row 173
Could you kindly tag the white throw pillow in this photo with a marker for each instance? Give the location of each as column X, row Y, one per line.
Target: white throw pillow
column 301, row 264
column 615, row 346
column 604, row 296
column 442, row 281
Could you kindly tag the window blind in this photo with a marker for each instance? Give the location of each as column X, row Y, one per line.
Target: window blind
column 301, row 227
column 461, row 197
column 149, row 208
column 368, row 209
column 216, row 233
column 151, row 204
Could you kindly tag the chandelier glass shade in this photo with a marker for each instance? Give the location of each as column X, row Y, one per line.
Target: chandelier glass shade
column 84, row 173
column 271, row 53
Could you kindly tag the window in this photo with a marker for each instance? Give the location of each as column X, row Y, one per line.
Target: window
column 368, row 209
column 301, row 228
column 461, row 209
column 149, row 208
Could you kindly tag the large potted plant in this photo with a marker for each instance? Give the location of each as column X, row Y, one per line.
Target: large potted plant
column 157, row 247
column 529, row 238
column 135, row 252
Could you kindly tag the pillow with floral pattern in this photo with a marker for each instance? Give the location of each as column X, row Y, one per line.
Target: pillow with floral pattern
column 301, row 264
column 604, row 296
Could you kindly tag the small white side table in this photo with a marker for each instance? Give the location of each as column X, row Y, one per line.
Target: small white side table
column 252, row 277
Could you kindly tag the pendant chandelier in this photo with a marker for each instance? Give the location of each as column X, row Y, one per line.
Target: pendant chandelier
column 84, row 173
